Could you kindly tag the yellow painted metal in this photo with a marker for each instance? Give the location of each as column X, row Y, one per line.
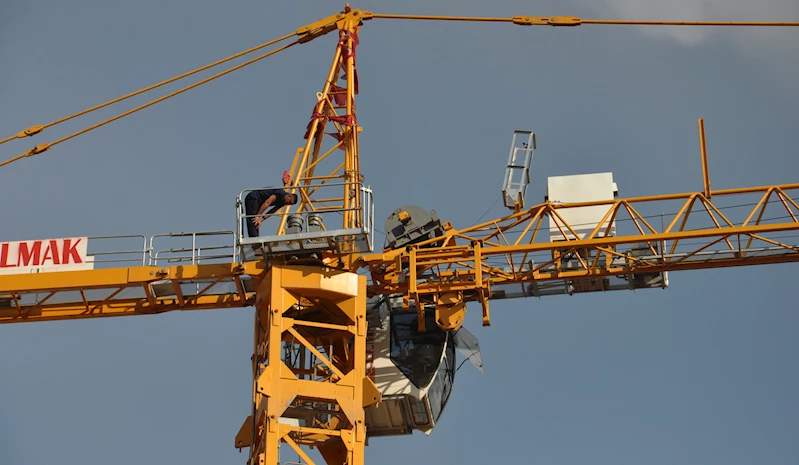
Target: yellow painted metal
column 289, row 393
column 335, row 107
column 499, row 252
column 120, row 307
column 466, row 263
column 575, row 21
column 45, row 146
column 346, row 19
column 33, row 130
column 450, row 311
column 320, row 312
column 703, row 148
column 106, row 292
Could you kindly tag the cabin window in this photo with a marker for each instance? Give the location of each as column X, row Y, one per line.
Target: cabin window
column 416, row 354
column 442, row 385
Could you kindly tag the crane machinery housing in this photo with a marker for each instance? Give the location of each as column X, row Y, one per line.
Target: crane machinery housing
column 341, row 356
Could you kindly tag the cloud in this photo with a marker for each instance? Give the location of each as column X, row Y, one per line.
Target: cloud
column 771, row 46
column 711, row 10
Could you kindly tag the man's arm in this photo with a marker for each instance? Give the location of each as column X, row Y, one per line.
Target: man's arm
column 266, row 205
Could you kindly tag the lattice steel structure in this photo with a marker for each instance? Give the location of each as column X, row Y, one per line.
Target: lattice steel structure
column 310, row 378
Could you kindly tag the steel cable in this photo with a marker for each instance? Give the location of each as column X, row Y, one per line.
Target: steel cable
column 43, row 147
column 36, row 129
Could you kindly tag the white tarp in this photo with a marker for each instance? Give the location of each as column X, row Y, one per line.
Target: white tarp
column 467, row 345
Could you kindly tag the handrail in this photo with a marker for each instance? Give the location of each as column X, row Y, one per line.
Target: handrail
column 120, row 250
column 143, row 251
column 364, row 229
column 195, row 251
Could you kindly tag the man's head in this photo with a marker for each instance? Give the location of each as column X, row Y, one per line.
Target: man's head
column 290, row 199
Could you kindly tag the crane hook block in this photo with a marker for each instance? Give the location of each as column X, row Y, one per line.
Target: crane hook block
column 30, row 131
column 547, row 20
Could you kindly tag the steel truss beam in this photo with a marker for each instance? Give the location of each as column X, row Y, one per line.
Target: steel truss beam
column 126, row 291
column 472, row 264
column 468, row 264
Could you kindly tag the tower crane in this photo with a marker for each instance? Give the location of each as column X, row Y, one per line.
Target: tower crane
column 354, row 340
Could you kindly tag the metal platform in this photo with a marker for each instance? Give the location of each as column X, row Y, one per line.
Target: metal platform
column 337, row 240
column 305, row 231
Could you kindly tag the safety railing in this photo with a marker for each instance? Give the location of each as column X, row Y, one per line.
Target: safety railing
column 310, row 226
column 184, row 248
column 368, row 203
column 309, row 230
column 194, row 248
column 125, row 250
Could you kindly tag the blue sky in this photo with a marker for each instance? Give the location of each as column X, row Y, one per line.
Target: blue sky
column 701, row 373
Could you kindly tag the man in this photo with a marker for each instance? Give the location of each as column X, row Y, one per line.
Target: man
column 256, row 203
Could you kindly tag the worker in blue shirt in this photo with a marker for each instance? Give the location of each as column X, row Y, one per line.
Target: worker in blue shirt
column 257, row 201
